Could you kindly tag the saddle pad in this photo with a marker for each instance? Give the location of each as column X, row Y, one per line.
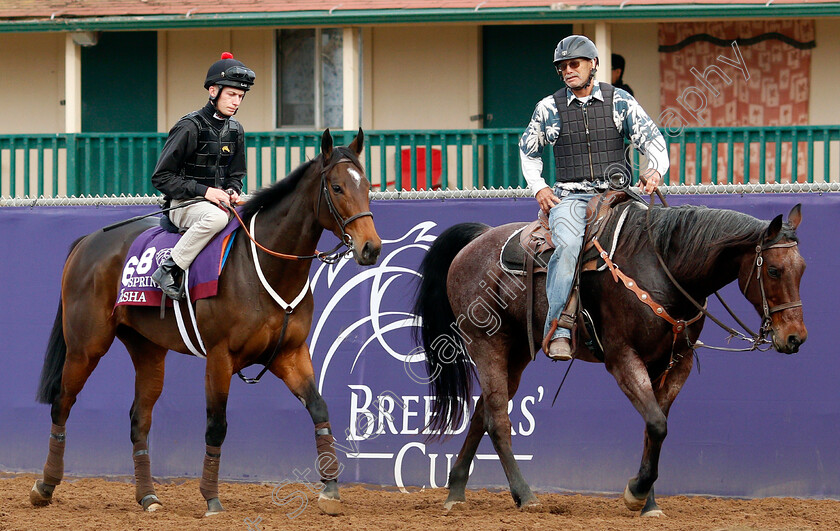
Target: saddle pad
column 153, row 247
column 512, row 258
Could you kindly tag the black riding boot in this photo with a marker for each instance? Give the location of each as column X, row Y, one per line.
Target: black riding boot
column 169, row 278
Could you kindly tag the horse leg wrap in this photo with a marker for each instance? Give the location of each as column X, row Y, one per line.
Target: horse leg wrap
column 328, row 465
column 142, row 472
column 54, row 468
column 209, row 484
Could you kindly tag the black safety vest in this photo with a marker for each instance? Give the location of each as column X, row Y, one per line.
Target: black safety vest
column 208, row 164
column 589, row 147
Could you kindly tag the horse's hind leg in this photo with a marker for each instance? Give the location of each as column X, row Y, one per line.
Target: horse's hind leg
column 83, row 338
column 494, row 377
column 461, row 469
column 460, row 473
column 295, row 369
column 148, row 360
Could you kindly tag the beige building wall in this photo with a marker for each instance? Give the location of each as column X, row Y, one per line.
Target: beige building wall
column 33, row 81
column 825, row 78
column 33, row 76
column 184, row 57
column 825, row 74
column 639, row 44
column 422, row 77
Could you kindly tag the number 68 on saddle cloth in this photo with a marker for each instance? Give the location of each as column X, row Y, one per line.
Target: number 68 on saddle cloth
column 152, row 247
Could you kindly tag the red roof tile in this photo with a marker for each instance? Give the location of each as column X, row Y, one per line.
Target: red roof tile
column 26, row 9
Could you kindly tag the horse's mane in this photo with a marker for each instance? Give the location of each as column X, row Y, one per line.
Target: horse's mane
column 273, row 194
column 690, row 238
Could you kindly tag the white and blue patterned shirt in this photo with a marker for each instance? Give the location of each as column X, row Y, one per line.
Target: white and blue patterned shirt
column 630, row 120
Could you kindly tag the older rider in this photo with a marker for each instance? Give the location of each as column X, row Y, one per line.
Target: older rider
column 587, row 123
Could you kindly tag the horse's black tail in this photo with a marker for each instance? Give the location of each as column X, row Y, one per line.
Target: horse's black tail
column 450, row 370
column 50, row 384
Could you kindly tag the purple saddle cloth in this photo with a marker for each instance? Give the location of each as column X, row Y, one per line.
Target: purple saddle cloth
column 153, row 247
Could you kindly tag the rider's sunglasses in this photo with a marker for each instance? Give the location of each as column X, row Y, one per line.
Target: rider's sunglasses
column 239, row 73
column 573, row 64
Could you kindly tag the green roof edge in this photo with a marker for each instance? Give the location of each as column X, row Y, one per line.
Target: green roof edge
column 407, row 16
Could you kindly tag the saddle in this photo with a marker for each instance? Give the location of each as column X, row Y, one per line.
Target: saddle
column 534, row 240
column 528, row 250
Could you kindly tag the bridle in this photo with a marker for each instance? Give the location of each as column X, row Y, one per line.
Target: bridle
column 766, row 309
column 758, row 340
column 329, row 257
column 346, row 239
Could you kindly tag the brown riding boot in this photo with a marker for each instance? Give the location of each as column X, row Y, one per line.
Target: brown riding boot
column 560, row 349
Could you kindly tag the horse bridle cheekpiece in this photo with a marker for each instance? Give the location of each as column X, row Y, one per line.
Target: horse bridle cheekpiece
column 766, row 309
column 346, row 239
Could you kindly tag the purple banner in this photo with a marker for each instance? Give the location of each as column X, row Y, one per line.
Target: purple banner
column 745, row 424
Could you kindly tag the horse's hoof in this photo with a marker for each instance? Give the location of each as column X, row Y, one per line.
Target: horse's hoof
column 453, row 504
column 330, row 506
column 633, row 503
column 532, row 505
column 39, row 496
column 214, row 506
column 150, row 503
column 656, row 513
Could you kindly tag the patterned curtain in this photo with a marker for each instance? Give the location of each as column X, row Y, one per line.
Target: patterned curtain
column 763, row 80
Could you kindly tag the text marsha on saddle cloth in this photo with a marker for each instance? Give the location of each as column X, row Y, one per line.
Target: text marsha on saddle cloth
column 152, row 247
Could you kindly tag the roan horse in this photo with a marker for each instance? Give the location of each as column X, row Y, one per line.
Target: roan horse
column 241, row 326
column 704, row 249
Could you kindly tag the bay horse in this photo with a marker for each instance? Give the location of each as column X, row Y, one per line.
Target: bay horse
column 703, row 248
column 241, row 326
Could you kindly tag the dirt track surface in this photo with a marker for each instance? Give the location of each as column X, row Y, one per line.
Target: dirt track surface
column 82, row 504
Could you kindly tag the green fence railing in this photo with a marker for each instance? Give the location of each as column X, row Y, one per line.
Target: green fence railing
column 121, row 163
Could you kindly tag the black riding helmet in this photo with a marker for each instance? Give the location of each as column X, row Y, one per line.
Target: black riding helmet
column 229, row 72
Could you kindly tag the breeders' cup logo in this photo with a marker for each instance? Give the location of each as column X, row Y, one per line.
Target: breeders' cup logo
column 373, row 375
column 162, row 255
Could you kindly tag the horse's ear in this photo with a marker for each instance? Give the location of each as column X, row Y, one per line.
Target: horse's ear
column 358, row 143
column 326, row 144
column 795, row 216
column 774, row 228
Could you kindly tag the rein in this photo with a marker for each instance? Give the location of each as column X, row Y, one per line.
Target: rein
column 329, row 257
column 756, row 339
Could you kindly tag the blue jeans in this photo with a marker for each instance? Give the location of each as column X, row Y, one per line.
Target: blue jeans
column 567, row 221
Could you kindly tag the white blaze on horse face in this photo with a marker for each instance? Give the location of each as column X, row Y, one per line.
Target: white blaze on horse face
column 356, row 177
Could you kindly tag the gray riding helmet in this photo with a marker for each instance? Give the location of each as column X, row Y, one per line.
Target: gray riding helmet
column 575, row 47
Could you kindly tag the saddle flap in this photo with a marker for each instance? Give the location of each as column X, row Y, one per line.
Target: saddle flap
column 536, row 236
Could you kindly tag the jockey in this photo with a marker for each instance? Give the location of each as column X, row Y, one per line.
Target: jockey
column 204, row 156
column 587, row 123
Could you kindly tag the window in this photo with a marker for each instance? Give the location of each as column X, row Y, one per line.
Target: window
column 309, row 70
